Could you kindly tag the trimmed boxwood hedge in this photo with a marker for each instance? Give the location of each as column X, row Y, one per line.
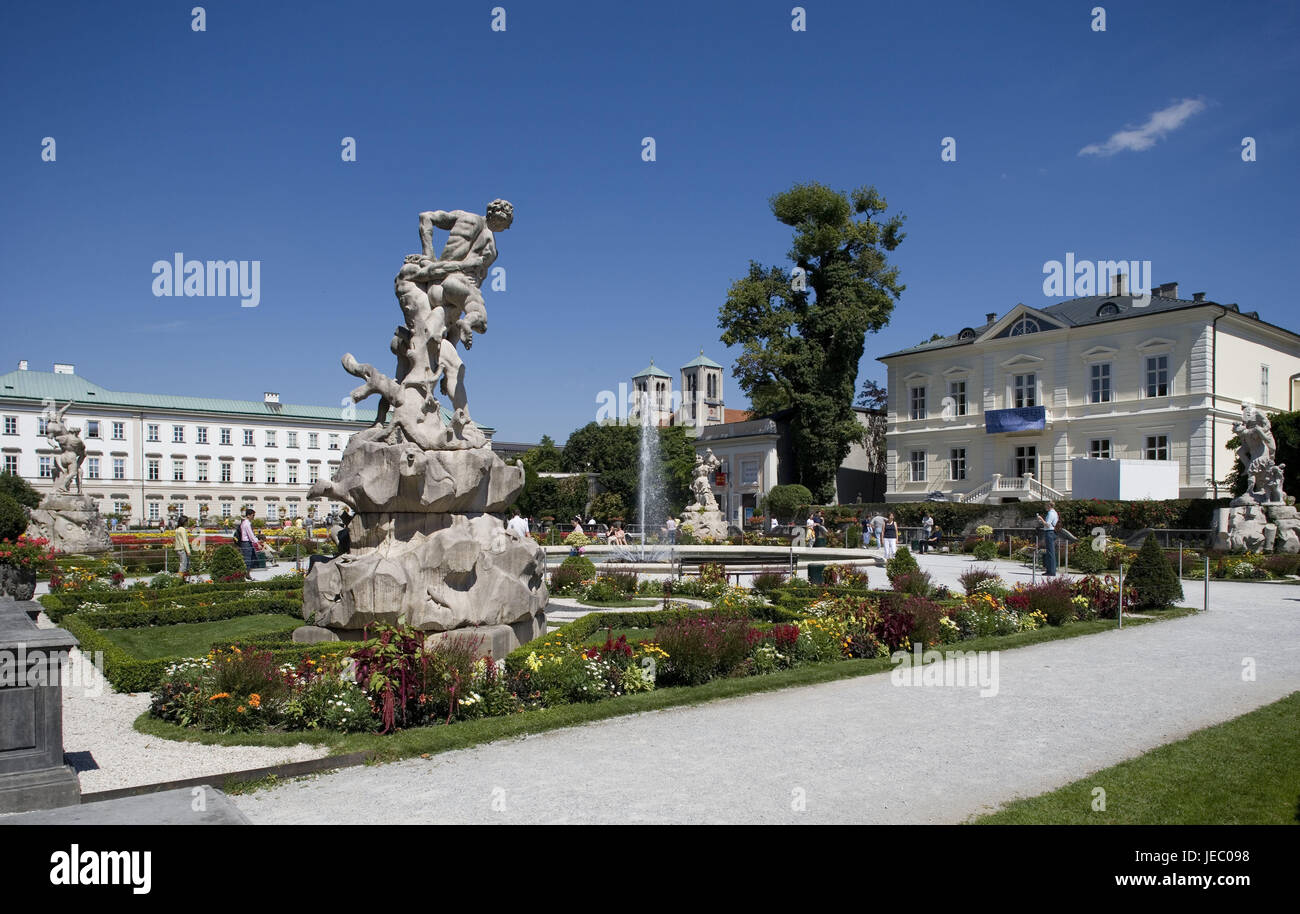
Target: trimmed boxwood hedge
column 288, row 605
column 58, row 605
column 128, row 673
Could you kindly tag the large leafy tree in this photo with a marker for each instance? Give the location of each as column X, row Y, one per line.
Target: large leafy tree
column 613, row 452
column 545, row 458
column 802, row 328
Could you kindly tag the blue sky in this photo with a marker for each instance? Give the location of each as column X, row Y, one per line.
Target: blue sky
column 225, row 144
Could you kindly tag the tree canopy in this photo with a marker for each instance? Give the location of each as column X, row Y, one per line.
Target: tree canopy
column 802, row 329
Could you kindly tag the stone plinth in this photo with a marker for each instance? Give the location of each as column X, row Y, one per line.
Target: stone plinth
column 71, row 523
column 32, row 772
column 705, row 523
column 1264, row 528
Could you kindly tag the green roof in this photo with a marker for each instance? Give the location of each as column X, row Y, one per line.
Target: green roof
column 38, row 385
column 652, row 372
column 701, row 361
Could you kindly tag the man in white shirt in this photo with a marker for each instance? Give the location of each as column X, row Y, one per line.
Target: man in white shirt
column 1048, row 524
column 517, row 526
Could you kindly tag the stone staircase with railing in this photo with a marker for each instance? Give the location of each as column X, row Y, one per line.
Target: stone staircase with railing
column 1026, row 488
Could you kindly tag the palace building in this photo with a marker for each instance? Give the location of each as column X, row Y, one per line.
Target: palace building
column 150, row 456
column 1006, row 409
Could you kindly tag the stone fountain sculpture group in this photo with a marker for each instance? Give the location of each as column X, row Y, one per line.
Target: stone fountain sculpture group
column 72, row 523
column 1260, row 520
column 429, row 539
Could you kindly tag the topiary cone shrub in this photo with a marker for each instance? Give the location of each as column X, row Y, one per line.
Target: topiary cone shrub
column 1154, row 578
column 227, row 564
column 902, row 563
column 13, row 519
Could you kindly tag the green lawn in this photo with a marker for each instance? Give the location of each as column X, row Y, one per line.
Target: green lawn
column 193, row 639
column 1242, row 772
column 618, row 604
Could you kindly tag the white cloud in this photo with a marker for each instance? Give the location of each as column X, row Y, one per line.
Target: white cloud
column 1136, row 139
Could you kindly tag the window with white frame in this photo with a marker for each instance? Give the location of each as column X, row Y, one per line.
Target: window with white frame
column 92, row 428
column 293, row 439
column 248, row 437
column 1099, row 449
column 153, row 470
column 957, row 390
column 1024, row 390
column 11, row 464
column 178, row 471
column 248, row 472
column 225, row 436
column 225, row 509
column 226, row 470
column 92, row 467
column 151, row 432
column 1099, row 389
column 119, row 431
column 272, row 512
column 748, row 472
column 957, row 464
column 334, row 442
column 313, row 439
column 43, row 426
column 201, row 434
column 119, row 468
column 153, row 510
column 293, row 509
column 46, row 467
column 201, row 471
column 270, row 437
column 1263, row 384
column 1027, row 460
column 178, row 434
column 119, row 507
column 1157, row 376
column 917, row 462
column 313, row 474
column 270, row 473
column 11, row 425
column 291, row 473
column 916, row 397
column 1157, row 447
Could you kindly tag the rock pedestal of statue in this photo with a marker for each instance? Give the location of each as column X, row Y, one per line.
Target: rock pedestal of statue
column 705, row 522
column 1254, row 527
column 71, row 523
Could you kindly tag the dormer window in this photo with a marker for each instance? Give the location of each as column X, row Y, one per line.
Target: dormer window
column 966, row 335
column 1025, row 325
column 1107, row 309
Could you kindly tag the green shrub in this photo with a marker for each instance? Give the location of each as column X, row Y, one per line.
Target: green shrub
column 1154, row 578
column 1087, row 559
column 785, row 502
column 769, row 581
column 165, row 581
column 902, row 563
column 227, row 564
column 13, row 520
column 1054, row 599
column 585, row 566
column 19, row 489
column 985, row 550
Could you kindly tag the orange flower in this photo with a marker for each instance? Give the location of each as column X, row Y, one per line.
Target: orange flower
column 219, row 695
column 240, row 709
column 255, row 700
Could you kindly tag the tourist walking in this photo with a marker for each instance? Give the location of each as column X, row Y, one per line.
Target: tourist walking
column 889, row 536
column 182, row 543
column 927, row 529
column 878, row 529
column 1047, row 525
column 518, row 527
column 247, row 539
column 670, row 529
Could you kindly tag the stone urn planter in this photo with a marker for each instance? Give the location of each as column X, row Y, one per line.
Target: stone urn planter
column 17, row 582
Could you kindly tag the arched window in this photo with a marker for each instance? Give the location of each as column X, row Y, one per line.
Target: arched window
column 1108, row 308
column 1026, row 324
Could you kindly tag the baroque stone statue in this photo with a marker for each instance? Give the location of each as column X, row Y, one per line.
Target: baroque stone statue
column 1256, row 453
column 704, row 518
column 427, row 492
column 71, row 523
column 1260, row 520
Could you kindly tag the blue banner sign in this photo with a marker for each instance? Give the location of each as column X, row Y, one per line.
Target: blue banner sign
column 1025, row 419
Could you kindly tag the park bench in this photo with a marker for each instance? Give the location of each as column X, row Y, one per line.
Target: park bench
column 754, row 564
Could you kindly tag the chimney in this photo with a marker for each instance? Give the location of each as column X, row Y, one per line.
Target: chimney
column 990, row 317
column 64, row 368
column 22, row 364
column 1118, row 283
column 1167, row 290
column 270, row 397
column 1198, row 296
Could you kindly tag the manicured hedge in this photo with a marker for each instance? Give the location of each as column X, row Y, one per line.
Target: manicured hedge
column 128, row 673
column 952, row 517
column 58, row 605
column 287, row 604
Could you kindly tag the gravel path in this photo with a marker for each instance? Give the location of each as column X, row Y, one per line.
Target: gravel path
column 860, row 750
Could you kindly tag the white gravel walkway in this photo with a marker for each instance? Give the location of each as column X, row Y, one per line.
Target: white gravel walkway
column 860, row 750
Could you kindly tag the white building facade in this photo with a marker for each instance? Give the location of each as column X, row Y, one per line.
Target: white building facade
column 150, row 456
column 1001, row 411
